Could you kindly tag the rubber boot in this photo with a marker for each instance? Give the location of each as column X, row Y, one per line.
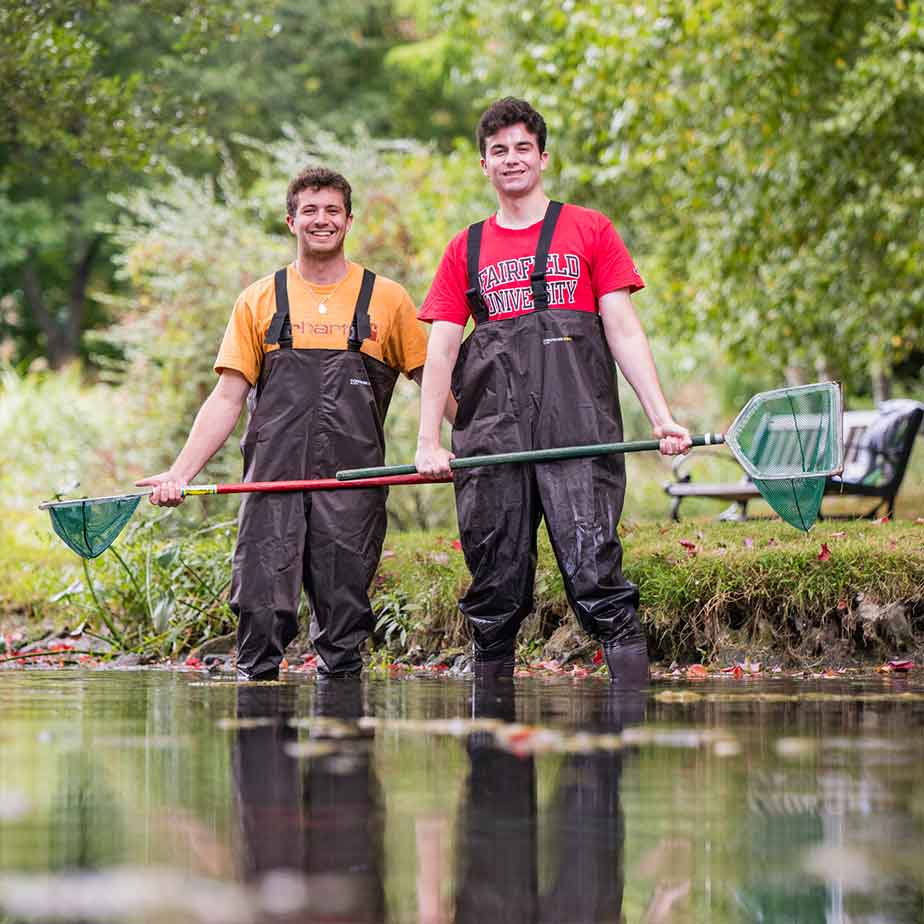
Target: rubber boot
column 628, row 665
column 492, row 671
column 272, row 674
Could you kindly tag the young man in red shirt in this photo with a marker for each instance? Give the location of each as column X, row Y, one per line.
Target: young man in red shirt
column 548, row 287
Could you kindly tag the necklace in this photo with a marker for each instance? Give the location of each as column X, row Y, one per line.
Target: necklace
column 322, row 299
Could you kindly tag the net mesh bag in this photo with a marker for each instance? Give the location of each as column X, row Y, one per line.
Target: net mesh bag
column 789, row 441
column 89, row 527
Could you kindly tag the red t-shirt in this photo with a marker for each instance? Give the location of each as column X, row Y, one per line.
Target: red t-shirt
column 587, row 259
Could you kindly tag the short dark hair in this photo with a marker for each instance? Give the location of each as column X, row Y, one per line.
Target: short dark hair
column 506, row 112
column 318, row 178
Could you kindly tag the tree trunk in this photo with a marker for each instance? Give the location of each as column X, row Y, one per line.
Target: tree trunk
column 881, row 375
column 62, row 340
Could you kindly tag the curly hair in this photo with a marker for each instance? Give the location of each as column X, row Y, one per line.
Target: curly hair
column 506, row 112
column 316, row 178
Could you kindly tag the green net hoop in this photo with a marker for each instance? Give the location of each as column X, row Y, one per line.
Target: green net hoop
column 789, row 441
column 89, row 527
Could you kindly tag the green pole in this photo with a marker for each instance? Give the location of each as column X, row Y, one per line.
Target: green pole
column 530, row 455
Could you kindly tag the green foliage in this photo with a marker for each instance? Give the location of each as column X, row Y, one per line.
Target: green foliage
column 761, row 158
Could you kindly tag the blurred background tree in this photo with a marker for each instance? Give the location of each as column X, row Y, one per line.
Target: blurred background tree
column 764, row 158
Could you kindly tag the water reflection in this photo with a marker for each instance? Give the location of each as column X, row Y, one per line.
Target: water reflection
column 311, row 828
column 499, row 843
column 158, row 796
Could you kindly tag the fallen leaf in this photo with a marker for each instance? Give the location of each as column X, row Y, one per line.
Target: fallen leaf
column 825, row 552
column 457, row 545
column 598, row 656
column 697, row 672
column 552, row 665
column 839, row 535
column 901, row 666
column 842, row 604
column 880, row 521
column 194, row 662
column 734, row 670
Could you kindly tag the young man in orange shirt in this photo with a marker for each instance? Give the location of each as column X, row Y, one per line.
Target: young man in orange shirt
column 318, row 346
column 548, row 287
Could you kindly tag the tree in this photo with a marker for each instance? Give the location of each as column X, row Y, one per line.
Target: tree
column 86, row 94
column 761, row 157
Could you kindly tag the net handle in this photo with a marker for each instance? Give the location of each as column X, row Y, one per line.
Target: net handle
column 254, row 487
column 532, row 455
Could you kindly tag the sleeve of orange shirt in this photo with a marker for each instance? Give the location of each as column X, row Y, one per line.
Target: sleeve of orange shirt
column 405, row 347
column 241, row 348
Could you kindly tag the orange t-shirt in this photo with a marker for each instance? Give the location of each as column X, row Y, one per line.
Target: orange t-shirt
column 396, row 338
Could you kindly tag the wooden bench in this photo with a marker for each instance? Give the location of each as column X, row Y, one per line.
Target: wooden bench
column 877, row 448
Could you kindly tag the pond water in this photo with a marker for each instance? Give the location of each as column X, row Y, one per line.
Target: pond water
column 170, row 796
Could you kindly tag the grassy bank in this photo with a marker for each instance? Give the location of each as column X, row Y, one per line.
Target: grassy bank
column 845, row 592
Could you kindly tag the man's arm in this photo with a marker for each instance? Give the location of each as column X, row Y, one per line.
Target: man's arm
column 450, row 408
column 632, row 353
column 212, row 426
column 442, row 351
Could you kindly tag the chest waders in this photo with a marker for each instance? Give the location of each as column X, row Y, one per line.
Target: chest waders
column 314, row 411
column 541, row 380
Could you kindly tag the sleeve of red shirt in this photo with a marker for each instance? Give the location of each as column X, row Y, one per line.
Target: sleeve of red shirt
column 446, row 299
column 612, row 268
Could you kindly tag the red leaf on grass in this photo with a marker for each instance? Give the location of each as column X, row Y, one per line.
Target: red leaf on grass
column 825, row 552
column 598, row 656
column 194, row 662
column 735, row 670
column 691, row 547
column 697, row 672
column 880, row 521
column 457, row 545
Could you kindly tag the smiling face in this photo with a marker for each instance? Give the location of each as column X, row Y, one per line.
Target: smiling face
column 320, row 223
column 512, row 161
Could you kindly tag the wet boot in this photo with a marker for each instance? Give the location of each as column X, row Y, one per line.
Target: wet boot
column 628, row 665
column 492, row 671
column 492, row 691
column 244, row 675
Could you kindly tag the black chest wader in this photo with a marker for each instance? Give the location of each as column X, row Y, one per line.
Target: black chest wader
column 315, row 411
column 541, row 380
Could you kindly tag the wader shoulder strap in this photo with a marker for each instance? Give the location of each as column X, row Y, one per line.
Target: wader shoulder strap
column 280, row 329
column 360, row 329
column 472, row 257
column 537, row 277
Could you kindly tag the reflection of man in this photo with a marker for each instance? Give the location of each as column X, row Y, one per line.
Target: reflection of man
column 499, row 844
column 321, row 343
column 548, row 287
column 320, row 819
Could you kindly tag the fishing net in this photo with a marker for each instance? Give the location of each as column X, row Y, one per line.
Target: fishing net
column 90, row 526
column 789, row 441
